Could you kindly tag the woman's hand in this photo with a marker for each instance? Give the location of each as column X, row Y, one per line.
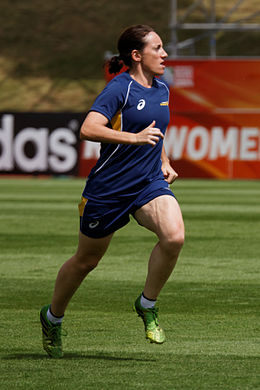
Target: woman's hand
column 150, row 135
column 168, row 172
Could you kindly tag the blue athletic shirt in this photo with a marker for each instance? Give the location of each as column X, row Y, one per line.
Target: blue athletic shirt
column 123, row 170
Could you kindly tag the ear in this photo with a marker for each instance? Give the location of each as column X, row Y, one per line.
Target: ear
column 136, row 55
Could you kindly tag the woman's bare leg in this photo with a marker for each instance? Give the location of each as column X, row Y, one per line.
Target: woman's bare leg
column 162, row 216
column 89, row 253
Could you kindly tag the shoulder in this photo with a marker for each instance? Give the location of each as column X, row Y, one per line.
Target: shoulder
column 113, row 96
column 122, row 80
column 117, row 88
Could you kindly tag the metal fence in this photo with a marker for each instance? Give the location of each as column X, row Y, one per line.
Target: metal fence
column 202, row 21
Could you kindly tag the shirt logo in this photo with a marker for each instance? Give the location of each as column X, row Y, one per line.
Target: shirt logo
column 92, row 225
column 140, row 104
column 164, row 104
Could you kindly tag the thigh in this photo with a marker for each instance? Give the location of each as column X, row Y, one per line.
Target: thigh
column 162, row 215
column 92, row 247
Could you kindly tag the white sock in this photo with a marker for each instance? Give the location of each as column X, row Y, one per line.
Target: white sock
column 53, row 319
column 147, row 303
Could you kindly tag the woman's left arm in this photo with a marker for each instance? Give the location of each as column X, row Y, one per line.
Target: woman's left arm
column 168, row 172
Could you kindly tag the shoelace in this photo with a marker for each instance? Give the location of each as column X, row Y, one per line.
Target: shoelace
column 55, row 332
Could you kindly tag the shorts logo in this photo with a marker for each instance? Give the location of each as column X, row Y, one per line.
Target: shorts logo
column 164, row 103
column 93, row 225
column 140, row 104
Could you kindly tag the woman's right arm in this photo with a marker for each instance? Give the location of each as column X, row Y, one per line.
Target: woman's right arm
column 94, row 128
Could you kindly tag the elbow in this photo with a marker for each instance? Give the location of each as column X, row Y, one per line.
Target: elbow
column 84, row 134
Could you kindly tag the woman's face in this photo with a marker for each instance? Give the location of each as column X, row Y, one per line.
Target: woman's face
column 153, row 55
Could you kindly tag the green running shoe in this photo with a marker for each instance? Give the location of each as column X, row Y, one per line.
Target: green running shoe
column 51, row 335
column 154, row 333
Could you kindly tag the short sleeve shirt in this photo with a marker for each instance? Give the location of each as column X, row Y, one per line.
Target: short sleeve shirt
column 123, row 170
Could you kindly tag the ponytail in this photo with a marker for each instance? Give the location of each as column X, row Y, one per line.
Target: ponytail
column 115, row 64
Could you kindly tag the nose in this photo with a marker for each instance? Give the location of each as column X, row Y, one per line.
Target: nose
column 164, row 54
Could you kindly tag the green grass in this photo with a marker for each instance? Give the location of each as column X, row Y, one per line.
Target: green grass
column 209, row 307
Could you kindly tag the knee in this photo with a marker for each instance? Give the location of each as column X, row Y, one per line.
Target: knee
column 85, row 264
column 173, row 242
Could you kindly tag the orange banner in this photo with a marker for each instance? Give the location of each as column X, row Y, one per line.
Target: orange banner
column 215, row 118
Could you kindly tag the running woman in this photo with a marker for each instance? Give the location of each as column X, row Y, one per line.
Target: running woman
column 131, row 177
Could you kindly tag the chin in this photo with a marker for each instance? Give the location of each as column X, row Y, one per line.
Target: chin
column 159, row 73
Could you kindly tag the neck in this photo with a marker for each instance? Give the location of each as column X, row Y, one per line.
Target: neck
column 143, row 78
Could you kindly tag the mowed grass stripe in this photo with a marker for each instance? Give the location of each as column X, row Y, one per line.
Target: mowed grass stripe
column 209, row 307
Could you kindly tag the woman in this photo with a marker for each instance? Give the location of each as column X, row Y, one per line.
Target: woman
column 132, row 176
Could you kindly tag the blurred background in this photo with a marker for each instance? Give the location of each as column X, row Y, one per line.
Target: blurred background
column 51, row 62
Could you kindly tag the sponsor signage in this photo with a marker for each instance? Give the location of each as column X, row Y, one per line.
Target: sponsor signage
column 215, row 118
column 39, row 143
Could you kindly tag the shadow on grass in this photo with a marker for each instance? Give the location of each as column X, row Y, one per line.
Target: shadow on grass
column 68, row 356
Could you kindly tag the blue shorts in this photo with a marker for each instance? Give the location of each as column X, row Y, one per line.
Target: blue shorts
column 99, row 219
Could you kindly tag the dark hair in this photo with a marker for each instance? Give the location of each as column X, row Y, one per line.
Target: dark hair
column 131, row 39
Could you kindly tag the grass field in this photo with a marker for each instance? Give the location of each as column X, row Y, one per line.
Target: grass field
column 209, row 308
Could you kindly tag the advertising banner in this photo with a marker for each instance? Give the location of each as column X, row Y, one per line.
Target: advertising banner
column 39, row 143
column 215, row 118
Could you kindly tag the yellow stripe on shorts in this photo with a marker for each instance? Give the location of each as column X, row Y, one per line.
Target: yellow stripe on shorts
column 82, row 205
